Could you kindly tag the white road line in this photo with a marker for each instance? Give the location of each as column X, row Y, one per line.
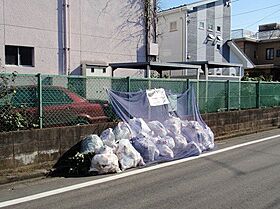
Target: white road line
column 122, row 175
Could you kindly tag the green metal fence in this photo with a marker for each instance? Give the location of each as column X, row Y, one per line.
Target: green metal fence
column 40, row 101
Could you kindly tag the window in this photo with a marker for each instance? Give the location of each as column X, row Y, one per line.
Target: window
column 53, row 96
column 104, row 70
column 173, row 26
column 24, row 96
column 278, row 53
column 219, row 29
column 218, row 47
column 210, row 27
column 270, row 54
column 19, row 55
column 201, row 25
column 92, row 70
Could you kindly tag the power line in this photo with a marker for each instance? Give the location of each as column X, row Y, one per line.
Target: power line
column 256, row 10
column 226, row 38
column 242, row 13
column 262, row 18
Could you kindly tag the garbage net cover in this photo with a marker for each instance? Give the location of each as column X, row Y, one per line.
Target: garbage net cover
column 170, row 127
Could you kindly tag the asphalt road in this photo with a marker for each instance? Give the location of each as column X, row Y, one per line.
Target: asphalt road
column 246, row 177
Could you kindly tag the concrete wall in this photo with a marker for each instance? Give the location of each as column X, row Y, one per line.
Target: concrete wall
column 35, row 147
column 41, row 147
column 100, row 31
column 227, row 124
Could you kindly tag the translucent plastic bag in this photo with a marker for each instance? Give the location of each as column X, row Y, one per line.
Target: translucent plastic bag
column 146, row 148
column 139, row 126
column 108, row 138
column 173, row 125
column 157, row 128
column 180, row 141
column 164, row 150
column 210, row 134
column 91, row 143
column 122, row 131
column 105, row 162
column 128, row 156
column 202, row 137
column 192, row 149
column 169, row 141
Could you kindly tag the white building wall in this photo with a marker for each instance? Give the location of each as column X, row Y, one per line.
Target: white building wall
column 27, row 23
column 235, row 59
column 171, row 42
column 201, row 34
column 101, row 31
column 1, row 34
column 219, row 11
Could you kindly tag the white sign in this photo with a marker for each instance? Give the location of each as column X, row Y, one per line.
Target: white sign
column 157, row 97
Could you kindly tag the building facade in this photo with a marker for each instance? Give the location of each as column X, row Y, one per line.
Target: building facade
column 263, row 48
column 195, row 32
column 61, row 36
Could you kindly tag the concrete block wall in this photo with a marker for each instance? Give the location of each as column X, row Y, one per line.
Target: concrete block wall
column 34, row 148
column 227, row 124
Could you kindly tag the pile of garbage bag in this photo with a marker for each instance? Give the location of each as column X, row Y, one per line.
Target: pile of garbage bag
column 138, row 143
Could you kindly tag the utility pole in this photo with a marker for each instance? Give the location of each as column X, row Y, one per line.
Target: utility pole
column 150, row 31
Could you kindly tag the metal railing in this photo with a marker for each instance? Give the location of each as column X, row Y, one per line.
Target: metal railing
column 40, row 101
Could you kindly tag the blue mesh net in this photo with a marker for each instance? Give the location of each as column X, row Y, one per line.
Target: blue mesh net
column 165, row 131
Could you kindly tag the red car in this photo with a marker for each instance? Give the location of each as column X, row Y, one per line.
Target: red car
column 59, row 105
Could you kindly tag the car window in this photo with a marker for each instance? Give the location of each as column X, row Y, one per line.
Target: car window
column 55, row 97
column 25, row 97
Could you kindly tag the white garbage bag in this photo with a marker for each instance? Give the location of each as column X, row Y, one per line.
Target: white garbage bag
column 128, row 156
column 189, row 131
column 108, row 138
column 173, row 125
column 195, row 132
column 210, row 134
column 169, row 141
column 91, row 143
column 139, row 126
column 105, row 162
column 158, row 128
column 122, row 131
column 192, row 149
column 180, row 141
column 146, row 148
column 164, row 150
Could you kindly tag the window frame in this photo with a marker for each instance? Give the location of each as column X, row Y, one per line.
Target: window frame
column 200, row 25
column 269, row 54
column 18, row 56
column 210, row 27
column 277, row 52
column 173, row 26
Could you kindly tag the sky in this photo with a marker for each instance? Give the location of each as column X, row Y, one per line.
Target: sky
column 246, row 14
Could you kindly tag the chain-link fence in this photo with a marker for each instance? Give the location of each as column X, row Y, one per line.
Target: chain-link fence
column 38, row 101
